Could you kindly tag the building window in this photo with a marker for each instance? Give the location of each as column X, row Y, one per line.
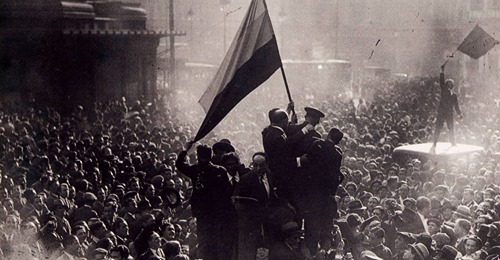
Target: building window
column 476, row 5
column 494, row 4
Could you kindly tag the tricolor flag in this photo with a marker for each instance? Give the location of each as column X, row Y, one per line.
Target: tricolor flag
column 477, row 43
column 251, row 59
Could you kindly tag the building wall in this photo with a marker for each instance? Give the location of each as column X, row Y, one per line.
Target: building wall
column 76, row 54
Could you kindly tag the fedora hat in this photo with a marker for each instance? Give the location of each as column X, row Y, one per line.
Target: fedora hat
column 223, row 146
column 355, row 205
column 172, row 198
column 448, row 252
column 463, row 212
column 290, row 228
column 420, row 250
column 407, row 237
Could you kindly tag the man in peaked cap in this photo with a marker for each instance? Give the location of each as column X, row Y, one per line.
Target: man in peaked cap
column 300, row 148
column 313, row 117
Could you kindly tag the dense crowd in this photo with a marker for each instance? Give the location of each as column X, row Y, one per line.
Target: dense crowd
column 103, row 182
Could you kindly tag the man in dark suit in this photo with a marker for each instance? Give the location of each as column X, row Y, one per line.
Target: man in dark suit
column 258, row 209
column 281, row 159
column 207, row 200
column 449, row 101
column 227, row 212
column 322, row 178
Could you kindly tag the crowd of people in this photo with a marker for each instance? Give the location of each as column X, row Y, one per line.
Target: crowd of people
column 118, row 181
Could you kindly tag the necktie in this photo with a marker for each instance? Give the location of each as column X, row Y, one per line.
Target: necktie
column 264, row 181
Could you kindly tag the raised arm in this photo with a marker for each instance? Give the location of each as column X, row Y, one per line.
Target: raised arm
column 183, row 166
column 441, row 77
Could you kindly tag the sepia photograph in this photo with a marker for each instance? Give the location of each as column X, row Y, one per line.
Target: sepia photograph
column 250, row 129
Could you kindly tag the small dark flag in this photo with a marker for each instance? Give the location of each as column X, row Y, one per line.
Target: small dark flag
column 477, row 43
column 252, row 58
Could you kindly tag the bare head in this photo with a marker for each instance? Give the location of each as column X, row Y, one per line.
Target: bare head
column 449, row 83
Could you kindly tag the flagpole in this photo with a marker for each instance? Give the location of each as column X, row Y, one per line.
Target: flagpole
column 449, row 57
column 286, row 84
column 287, row 88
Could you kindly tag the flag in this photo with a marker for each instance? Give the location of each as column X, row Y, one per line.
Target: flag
column 251, row 59
column 477, row 43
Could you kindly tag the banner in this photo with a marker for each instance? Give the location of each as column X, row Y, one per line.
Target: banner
column 251, row 59
column 477, row 43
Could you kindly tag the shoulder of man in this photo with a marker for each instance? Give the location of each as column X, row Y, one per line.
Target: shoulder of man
column 217, row 168
column 272, row 131
column 247, row 176
column 293, row 128
column 319, row 142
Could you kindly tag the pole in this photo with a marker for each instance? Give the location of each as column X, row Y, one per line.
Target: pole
column 172, row 44
column 286, row 86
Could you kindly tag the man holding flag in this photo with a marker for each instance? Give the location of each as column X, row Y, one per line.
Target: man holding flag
column 477, row 43
column 278, row 147
column 449, row 101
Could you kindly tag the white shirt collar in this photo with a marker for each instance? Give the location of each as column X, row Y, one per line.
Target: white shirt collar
column 236, row 177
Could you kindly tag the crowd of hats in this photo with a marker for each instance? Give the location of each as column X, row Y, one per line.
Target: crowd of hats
column 101, row 148
column 114, row 155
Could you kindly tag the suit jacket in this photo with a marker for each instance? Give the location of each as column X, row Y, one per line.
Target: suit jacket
column 324, row 166
column 150, row 255
column 303, row 146
column 250, row 186
column 207, row 182
column 449, row 100
column 278, row 147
